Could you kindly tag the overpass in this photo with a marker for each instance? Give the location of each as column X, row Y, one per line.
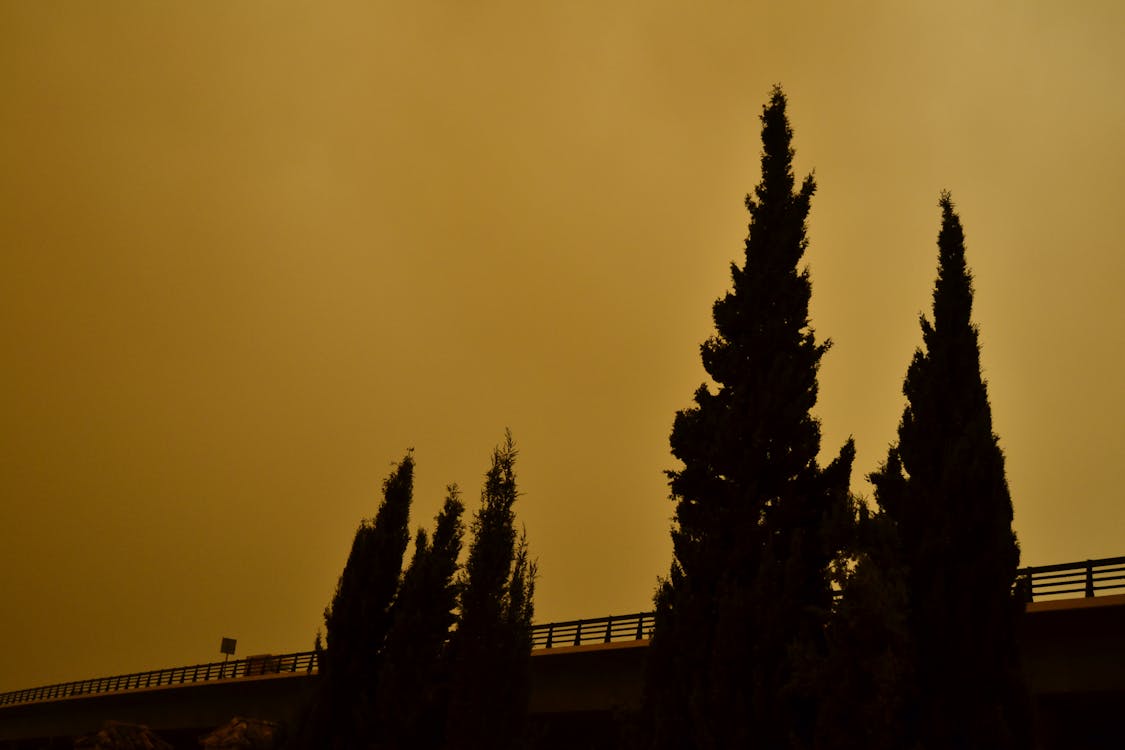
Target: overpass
column 585, row 673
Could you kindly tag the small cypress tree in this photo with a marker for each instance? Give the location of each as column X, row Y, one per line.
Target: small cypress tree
column 944, row 490
column 491, row 646
column 413, row 684
column 865, row 674
column 359, row 618
column 740, row 620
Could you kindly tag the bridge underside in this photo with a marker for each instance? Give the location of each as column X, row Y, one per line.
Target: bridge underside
column 1074, row 661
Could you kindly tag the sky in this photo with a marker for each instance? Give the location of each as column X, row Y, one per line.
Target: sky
column 253, row 252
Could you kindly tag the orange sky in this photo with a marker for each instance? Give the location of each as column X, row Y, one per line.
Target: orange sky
column 252, row 252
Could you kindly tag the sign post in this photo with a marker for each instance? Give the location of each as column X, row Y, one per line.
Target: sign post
column 227, row 649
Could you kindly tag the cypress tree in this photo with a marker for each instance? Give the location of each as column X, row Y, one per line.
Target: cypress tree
column 413, row 683
column 359, row 618
column 944, row 490
column 758, row 522
column 492, row 644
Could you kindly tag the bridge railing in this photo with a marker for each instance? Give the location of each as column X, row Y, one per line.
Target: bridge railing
column 1086, row 577
column 304, row 661
column 597, row 630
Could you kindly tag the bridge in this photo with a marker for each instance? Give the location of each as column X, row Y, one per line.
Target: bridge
column 585, row 673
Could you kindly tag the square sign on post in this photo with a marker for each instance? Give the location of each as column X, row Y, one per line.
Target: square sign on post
column 227, row 649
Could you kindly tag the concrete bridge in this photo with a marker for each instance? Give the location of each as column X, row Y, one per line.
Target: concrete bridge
column 586, row 684
column 585, row 673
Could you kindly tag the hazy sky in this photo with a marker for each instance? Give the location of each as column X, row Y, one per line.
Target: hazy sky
column 252, row 252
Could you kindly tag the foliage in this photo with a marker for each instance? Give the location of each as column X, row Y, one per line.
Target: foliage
column 433, row 657
column 943, row 490
column 119, row 735
column 865, row 676
column 491, row 646
column 358, row 620
column 244, row 733
column 741, row 617
column 413, row 684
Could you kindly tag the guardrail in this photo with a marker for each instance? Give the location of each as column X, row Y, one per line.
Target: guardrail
column 304, row 661
column 1086, row 577
column 598, row 630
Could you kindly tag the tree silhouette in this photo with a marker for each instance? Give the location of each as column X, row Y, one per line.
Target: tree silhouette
column 358, row 620
column 412, row 689
column 740, row 619
column 943, row 488
column 492, row 644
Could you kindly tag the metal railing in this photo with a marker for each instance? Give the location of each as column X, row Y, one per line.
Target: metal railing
column 1036, row 582
column 304, row 661
column 1086, row 577
column 598, row 630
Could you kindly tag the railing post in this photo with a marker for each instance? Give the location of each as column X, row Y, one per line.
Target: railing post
column 1089, row 580
column 608, row 628
column 640, row 626
column 550, row 634
column 578, row 634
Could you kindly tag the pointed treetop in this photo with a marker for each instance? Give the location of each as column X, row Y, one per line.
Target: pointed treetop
column 953, row 292
column 777, row 238
column 777, row 149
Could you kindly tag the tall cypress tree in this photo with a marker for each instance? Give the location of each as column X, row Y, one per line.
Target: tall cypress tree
column 491, row 647
column 359, row 618
column 943, row 488
column 413, row 682
column 740, row 620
